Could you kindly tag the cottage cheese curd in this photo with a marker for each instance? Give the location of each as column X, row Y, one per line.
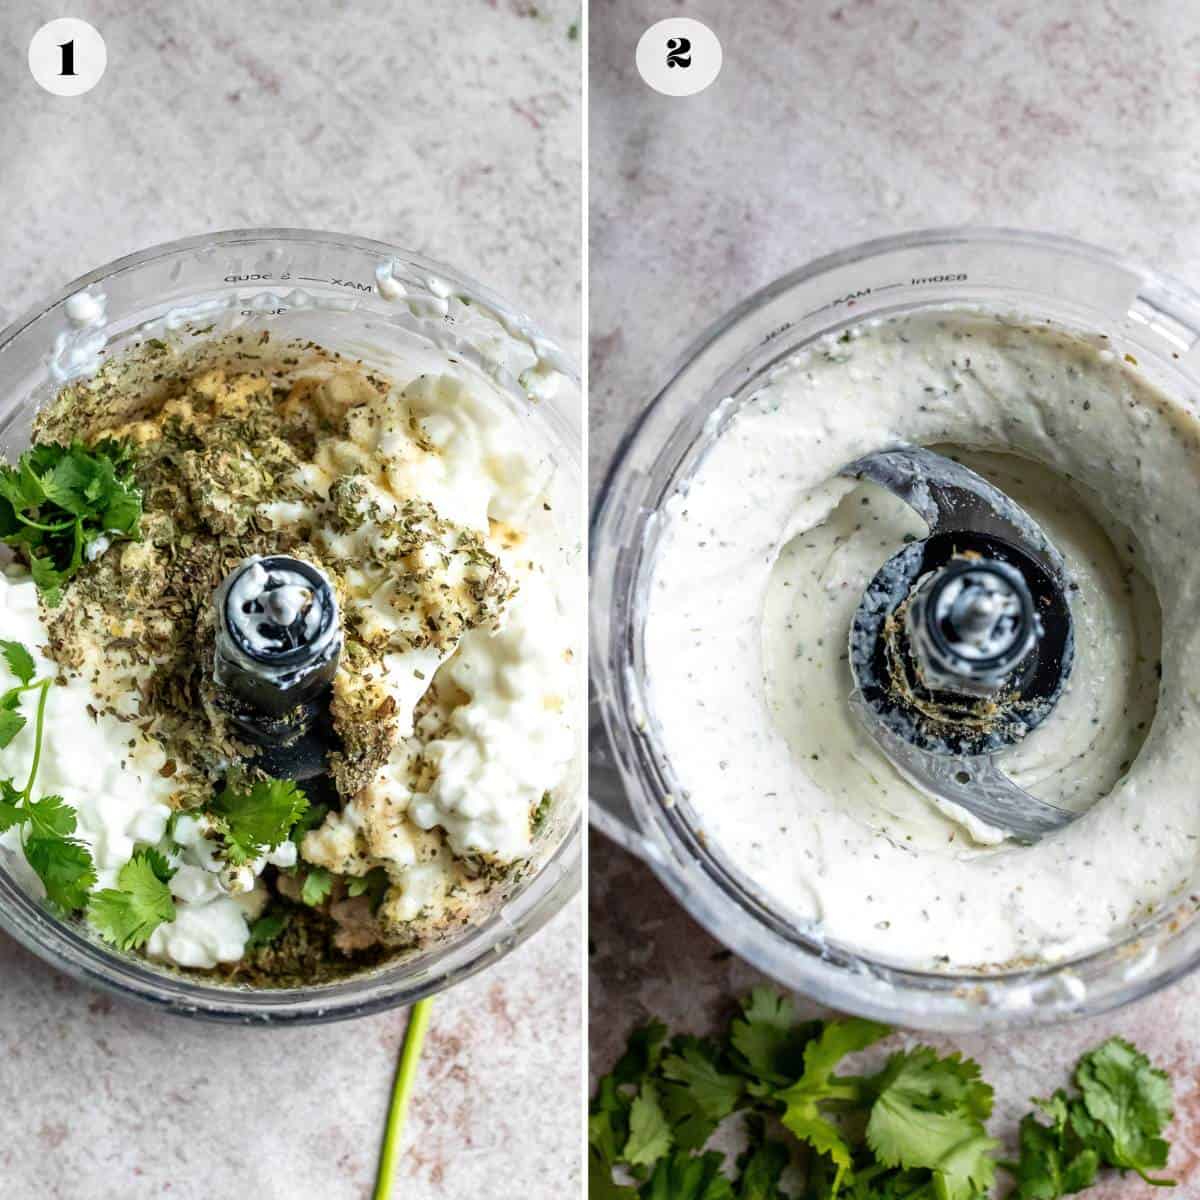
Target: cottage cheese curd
column 763, row 555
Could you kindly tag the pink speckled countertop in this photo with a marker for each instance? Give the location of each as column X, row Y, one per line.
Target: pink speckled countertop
column 833, row 122
column 449, row 128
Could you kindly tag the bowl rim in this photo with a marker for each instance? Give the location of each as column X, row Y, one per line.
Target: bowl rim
column 249, row 235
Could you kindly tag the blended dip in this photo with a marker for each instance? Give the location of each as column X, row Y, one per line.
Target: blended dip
column 763, row 555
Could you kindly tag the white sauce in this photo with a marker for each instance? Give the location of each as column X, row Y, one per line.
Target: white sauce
column 763, row 557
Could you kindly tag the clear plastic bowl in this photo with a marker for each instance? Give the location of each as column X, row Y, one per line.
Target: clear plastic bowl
column 1146, row 314
column 360, row 297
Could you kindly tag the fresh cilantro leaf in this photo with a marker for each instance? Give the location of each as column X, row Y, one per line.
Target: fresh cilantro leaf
column 1131, row 1101
column 49, row 579
column 20, row 487
column 1117, row 1121
column 929, row 1113
column 600, row 1180
column 374, row 884
column 698, row 1094
column 257, row 820
column 649, row 1130
column 689, row 1177
column 65, row 868
column 11, row 811
column 158, row 863
column 59, row 500
column 61, row 862
column 310, row 819
column 128, row 914
column 608, row 1120
column 266, row 929
column 52, row 816
column 317, row 885
column 921, row 1080
column 767, row 1038
column 818, row 1085
column 1053, row 1162
column 19, row 661
column 11, row 723
column 643, row 1054
column 762, row 1164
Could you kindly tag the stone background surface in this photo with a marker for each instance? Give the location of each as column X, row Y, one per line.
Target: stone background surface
column 833, row 122
column 453, row 129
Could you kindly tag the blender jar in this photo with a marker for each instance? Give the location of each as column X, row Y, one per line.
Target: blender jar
column 1147, row 315
column 363, row 299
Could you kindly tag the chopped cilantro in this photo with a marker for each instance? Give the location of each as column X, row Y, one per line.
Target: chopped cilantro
column 65, row 868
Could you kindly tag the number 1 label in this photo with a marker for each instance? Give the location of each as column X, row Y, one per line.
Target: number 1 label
column 67, row 57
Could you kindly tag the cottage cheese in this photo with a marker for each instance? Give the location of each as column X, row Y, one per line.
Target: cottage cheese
column 470, row 760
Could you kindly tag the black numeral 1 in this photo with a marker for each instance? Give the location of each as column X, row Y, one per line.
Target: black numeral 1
column 68, row 58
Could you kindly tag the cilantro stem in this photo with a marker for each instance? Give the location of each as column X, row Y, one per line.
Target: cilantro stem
column 37, row 745
column 38, row 525
column 406, row 1074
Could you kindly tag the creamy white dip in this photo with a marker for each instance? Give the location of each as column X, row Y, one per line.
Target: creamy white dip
column 762, row 558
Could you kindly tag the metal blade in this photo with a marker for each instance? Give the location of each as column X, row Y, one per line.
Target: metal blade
column 949, row 497
column 985, row 792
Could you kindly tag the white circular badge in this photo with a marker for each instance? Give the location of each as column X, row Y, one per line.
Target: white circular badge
column 678, row 56
column 68, row 56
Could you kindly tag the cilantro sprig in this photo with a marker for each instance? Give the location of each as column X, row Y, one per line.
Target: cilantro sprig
column 912, row 1130
column 46, row 825
column 58, row 501
column 1117, row 1120
column 256, row 819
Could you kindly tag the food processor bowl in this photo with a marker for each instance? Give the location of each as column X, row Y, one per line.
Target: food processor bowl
column 634, row 799
column 363, row 299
